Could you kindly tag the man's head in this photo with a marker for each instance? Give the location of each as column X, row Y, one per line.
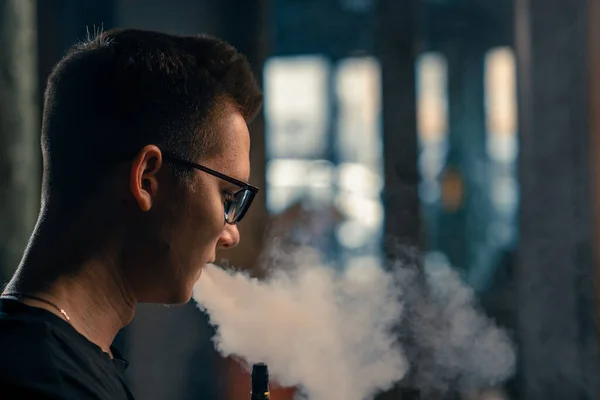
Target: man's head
column 121, row 112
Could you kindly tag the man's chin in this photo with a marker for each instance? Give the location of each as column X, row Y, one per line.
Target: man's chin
column 179, row 299
column 179, row 296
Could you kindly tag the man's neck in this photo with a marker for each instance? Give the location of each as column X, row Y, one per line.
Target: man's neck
column 93, row 293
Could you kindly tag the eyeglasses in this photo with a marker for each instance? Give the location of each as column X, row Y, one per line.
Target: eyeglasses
column 238, row 203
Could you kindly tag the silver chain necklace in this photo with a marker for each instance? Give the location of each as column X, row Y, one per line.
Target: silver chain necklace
column 18, row 295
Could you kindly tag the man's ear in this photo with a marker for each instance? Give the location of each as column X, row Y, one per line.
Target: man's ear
column 143, row 179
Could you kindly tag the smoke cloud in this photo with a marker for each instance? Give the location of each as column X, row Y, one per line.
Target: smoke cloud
column 334, row 333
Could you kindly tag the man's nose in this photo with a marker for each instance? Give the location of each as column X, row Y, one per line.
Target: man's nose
column 230, row 237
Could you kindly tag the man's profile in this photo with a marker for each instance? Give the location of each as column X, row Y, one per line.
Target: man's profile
column 145, row 148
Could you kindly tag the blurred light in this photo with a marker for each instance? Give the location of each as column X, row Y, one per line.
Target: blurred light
column 296, row 106
column 357, row 84
column 431, row 160
column 319, row 198
column 505, row 193
column 432, row 107
column 321, row 173
column 500, row 92
column 300, row 173
column 367, row 211
column 281, row 198
column 359, row 150
column 353, row 235
column 285, row 172
column 502, row 148
column 293, row 180
column 359, row 179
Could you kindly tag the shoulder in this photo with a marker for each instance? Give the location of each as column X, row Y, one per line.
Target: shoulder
column 41, row 353
column 27, row 358
column 24, row 340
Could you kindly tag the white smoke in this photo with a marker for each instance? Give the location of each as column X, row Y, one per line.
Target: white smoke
column 454, row 346
column 334, row 333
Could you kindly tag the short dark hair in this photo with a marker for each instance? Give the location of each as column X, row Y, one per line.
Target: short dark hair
column 123, row 89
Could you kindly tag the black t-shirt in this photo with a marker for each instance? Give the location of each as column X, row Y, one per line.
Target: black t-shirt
column 44, row 357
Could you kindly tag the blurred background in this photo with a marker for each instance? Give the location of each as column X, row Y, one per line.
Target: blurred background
column 468, row 128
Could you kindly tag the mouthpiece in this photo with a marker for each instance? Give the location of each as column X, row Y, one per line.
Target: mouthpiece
column 260, row 382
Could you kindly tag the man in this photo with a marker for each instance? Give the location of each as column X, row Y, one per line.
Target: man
column 146, row 157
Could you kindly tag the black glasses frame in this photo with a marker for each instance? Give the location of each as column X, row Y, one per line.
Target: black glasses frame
column 243, row 185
